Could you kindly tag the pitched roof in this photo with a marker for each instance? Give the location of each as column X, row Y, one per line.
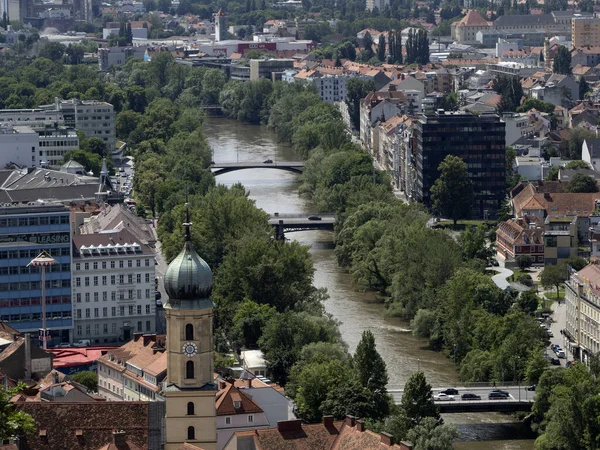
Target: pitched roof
column 472, row 19
column 593, row 145
column 294, row 435
column 86, row 425
column 525, row 230
column 227, row 397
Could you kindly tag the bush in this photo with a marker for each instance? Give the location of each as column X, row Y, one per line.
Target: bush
column 526, row 280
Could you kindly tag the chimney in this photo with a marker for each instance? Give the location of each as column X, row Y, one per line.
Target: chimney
column 360, row 425
column 27, row 356
column 350, row 421
column 386, row 439
column 56, row 380
column 119, row 438
column 328, row 421
column 289, row 425
column 149, row 338
column 404, row 445
column 222, row 384
column 137, row 336
column 248, row 383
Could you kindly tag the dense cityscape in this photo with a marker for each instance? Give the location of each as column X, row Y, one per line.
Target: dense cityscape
column 299, row 224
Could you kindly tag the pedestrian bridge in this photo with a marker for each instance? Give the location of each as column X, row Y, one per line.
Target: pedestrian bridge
column 288, row 223
column 520, row 399
column 221, row 168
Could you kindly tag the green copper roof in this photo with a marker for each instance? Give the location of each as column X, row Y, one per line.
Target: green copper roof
column 188, row 277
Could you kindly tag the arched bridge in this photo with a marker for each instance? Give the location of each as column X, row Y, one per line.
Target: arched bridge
column 221, row 168
column 288, row 223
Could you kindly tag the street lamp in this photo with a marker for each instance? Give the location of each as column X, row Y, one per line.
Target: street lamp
column 43, row 260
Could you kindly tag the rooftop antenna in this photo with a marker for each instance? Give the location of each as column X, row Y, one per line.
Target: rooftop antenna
column 188, row 223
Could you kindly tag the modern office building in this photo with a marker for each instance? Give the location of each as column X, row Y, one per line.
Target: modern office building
column 585, row 32
column 113, row 287
column 94, row 118
column 26, row 231
column 264, row 68
column 221, row 25
column 479, row 140
column 54, row 142
column 582, row 295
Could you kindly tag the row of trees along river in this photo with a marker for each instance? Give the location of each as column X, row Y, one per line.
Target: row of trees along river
column 277, row 191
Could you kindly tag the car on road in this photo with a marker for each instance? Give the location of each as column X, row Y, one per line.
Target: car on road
column 532, row 387
column 469, row 396
column 268, row 161
column 561, row 354
column 498, row 395
column 554, row 347
column 449, row 391
column 555, row 361
column 314, row 218
column 550, row 333
column 441, row 397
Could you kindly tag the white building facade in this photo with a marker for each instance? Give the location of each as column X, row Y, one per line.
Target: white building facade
column 113, row 287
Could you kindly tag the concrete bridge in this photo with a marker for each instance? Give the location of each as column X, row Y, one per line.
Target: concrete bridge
column 520, row 399
column 288, row 223
column 221, row 168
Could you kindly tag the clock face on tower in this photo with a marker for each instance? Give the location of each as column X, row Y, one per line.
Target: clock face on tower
column 190, row 349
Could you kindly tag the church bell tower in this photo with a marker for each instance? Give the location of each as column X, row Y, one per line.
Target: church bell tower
column 190, row 392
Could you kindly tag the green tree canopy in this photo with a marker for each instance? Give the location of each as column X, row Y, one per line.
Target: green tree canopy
column 562, row 61
column 452, row 193
column 87, row 378
column 582, row 183
column 417, row 399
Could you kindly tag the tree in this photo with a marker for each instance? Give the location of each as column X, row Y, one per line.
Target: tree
column 430, row 435
column 13, row 421
column 528, row 302
column 367, row 52
column 96, row 146
column 381, row 48
column 372, row 372
column 584, row 87
column 562, row 61
column 54, row 51
column 577, row 164
column 356, row 90
column 524, row 261
column 87, row 378
column 553, row 276
column 577, row 263
column 582, row 183
column 417, row 399
column 452, row 193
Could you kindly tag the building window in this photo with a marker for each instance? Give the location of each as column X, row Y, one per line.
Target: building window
column 190, row 408
column 191, row 433
column 78, row 330
column 227, row 420
column 147, row 309
column 147, row 325
column 189, row 332
column 189, row 370
column 250, row 418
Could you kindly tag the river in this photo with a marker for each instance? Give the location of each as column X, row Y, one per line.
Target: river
column 277, row 191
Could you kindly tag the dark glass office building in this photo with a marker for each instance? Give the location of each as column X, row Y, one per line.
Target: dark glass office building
column 478, row 139
column 25, row 231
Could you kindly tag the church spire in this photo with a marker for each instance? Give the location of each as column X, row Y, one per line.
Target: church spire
column 187, row 224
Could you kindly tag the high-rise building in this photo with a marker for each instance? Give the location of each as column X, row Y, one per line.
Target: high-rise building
column 478, row 139
column 585, row 32
column 26, row 231
column 221, row 24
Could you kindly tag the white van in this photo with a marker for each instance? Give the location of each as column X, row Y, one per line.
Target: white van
column 82, row 343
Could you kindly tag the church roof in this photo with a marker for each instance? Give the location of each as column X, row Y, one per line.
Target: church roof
column 472, row 19
column 188, row 278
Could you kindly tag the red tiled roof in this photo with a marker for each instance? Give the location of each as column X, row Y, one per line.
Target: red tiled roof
column 226, row 398
column 72, row 357
column 303, row 437
column 472, row 19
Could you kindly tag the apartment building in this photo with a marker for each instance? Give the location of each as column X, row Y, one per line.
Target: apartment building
column 479, row 140
column 582, row 293
column 26, row 231
column 585, row 31
column 113, row 287
column 560, row 238
column 54, row 142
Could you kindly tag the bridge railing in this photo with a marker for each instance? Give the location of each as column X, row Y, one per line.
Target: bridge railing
column 299, row 216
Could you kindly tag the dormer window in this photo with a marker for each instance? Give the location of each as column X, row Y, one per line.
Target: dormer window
column 237, row 404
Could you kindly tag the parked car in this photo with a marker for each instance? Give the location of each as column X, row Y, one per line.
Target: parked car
column 555, row 361
column 314, row 218
column 554, row 347
column 443, row 397
column 469, row 396
column 532, row 387
column 550, row 333
column 268, row 161
column 82, row 343
column 449, row 391
column 561, row 354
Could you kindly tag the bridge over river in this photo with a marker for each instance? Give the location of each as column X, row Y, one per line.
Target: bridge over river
column 288, row 223
column 520, row 399
column 289, row 166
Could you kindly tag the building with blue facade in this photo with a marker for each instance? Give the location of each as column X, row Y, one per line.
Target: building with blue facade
column 25, row 231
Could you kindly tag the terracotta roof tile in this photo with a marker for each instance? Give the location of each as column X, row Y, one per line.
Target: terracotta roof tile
column 304, row 437
column 226, row 398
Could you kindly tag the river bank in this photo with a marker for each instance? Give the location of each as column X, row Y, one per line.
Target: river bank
column 277, row 191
